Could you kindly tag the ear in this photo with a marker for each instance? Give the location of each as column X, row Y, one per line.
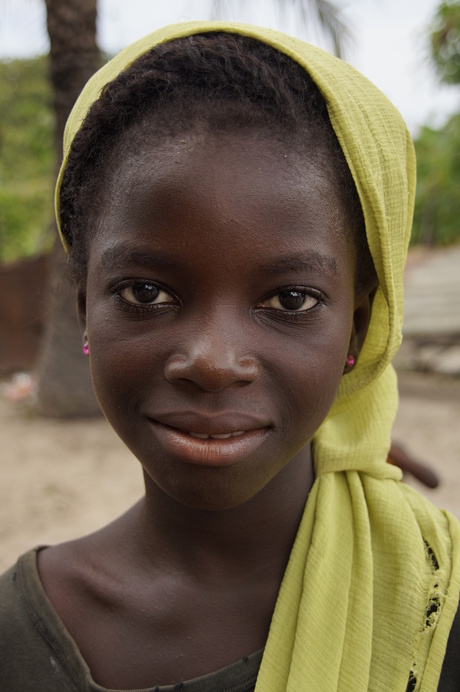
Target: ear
column 81, row 308
column 361, row 319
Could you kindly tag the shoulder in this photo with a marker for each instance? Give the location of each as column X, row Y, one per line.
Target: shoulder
column 450, row 674
column 15, row 586
column 35, row 650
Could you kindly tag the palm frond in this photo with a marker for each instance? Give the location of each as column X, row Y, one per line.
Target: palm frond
column 320, row 14
column 333, row 24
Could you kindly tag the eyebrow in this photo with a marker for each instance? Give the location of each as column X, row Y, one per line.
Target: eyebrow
column 311, row 261
column 120, row 256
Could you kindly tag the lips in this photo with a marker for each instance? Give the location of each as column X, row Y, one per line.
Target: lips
column 218, row 440
column 218, row 436
column 219, row 423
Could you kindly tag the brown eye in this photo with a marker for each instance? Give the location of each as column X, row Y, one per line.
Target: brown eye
column 144, row 293
column 291, row 300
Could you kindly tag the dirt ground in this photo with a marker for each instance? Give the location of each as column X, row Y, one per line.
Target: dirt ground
column 61, row 479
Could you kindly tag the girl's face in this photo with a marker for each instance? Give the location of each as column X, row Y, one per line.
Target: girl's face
column 219, row 309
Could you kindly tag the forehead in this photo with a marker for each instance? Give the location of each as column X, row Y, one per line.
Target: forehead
column 197, row 189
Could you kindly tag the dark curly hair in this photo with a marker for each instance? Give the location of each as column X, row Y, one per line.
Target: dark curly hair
column 223, row 82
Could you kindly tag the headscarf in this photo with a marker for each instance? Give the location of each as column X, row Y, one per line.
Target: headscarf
column 372, row 584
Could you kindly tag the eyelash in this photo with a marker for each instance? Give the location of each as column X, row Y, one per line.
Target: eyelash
column 132, row 307
column 294, row 314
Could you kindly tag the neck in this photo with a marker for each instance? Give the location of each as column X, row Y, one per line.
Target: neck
column 224, row 544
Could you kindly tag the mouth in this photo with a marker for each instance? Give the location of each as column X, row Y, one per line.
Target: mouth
column 211, row 442
column 217, row 436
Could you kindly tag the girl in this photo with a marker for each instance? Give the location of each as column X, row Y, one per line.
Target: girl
column 236, row 207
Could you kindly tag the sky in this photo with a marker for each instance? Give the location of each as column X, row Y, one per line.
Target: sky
column 389, row 46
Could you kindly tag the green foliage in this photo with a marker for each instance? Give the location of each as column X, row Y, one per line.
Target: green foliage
column 437, row 201
column 445, row 42
column 27, row 158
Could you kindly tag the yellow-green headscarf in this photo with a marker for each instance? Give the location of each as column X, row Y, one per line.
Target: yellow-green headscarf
column 371, row 556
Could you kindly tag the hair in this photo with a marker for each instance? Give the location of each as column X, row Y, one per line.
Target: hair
column 223, row 82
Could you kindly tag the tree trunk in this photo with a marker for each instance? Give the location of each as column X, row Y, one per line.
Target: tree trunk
column 65, row 388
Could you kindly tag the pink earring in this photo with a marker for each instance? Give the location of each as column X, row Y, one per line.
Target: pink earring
column 86, row 348
column 350, row 361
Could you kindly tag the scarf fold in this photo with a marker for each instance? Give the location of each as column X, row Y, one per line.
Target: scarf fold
column 372, row 584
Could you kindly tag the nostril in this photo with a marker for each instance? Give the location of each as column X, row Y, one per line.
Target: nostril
column 176, row 365
column 210, row 372
column 250, row 368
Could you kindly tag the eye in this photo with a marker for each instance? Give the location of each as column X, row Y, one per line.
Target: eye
column 292, row 300
column 145, row 293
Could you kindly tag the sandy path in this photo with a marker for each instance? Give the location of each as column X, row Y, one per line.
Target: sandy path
column 60, row 479
column 428, row 423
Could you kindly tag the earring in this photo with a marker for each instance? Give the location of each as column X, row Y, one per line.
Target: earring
column 350, row 361
column 86, row 348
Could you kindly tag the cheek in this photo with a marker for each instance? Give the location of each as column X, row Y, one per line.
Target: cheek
column 307, row 373
column 310, row 396
column 122, row 369
column 120, row 361
column 313, row 384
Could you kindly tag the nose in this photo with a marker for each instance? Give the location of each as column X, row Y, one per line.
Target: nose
column 213, row 360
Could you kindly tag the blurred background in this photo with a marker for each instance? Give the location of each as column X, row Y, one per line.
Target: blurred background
column 62, row 469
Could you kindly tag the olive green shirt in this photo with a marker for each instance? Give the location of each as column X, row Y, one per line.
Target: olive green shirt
column 37, row 654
